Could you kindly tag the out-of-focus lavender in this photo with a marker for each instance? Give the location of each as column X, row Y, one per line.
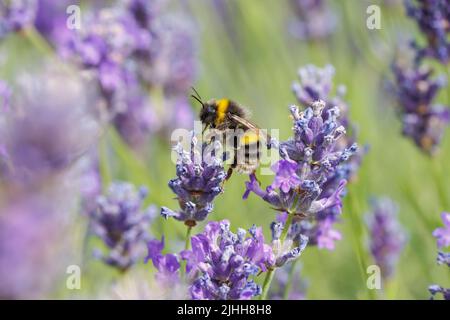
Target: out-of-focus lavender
column 48, row 128
column 387, row 237
column 16, row 15
column 288, row 279
column 121, row 222
column 314, row 19
column 45, row 131
column 199, row 180
column 423, row 120
column 435, row 289
column 433, row 19
column 33, row 243
column 144, row 60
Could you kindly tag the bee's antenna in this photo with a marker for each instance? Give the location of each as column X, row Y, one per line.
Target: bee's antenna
column 196, row 93
column 197, row 97
column 198, row 100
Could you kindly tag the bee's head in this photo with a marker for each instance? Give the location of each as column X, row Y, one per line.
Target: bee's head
column 209, row 112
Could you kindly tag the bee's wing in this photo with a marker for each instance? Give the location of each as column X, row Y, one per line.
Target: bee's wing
column 250, row 126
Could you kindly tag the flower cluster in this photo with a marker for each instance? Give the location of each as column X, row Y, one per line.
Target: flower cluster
column 16, row 15
column 307, row 181
column 314, row 84
column 433, row 19
column 199, row 180
column 423, row 121
column 314, row 19
column 387, row 237
column 122, row 224
column 220, row 264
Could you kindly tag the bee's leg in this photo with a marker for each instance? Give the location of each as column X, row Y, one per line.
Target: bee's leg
column 232, row 167
column 256, row 178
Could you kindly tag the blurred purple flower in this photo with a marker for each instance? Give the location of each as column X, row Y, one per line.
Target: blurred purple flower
column 16, row 15
column 387, row 237
column 314, row 19
column 5, row 96
column 435, row 289
column 221, row 262
column 122, row 224
column 48, row 127
column 433, row 19
column 199, row 181
column 422, row 121
column 33, row 244
column 286, row 278
column 442, row 235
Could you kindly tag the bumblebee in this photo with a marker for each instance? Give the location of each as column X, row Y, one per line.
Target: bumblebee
column 227, row 116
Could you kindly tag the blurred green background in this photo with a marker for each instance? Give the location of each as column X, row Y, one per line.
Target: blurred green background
column 251, row 58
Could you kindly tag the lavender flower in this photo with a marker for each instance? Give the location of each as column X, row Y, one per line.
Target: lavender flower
column 167, row 265
column 387, row 238
column 314, row 19
column 435, row 289
column 433, row 19
column 317, row 83
column 311, row 155
column 221, row 262
column 122, row 225
column 423, row 121
column 199, row 181
column 442, row 234
column 16, row 15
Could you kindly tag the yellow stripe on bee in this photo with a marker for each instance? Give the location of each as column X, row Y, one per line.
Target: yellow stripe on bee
column 222, row 107
column 249, row 138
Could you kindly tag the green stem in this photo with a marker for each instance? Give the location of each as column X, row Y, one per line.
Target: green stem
column 38, row 40
column 187, row 246
column 187, row 243
column 271, row 272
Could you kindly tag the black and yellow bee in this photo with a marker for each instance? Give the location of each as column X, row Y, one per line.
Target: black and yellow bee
column 224, row 115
